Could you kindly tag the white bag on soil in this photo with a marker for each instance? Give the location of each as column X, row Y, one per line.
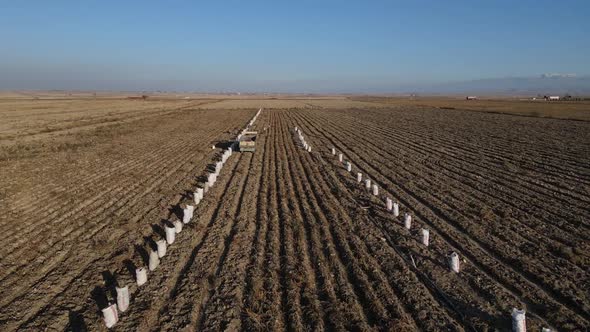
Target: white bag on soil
column 407, row 221
column 141, row 276
column 187, row 214
column 154, row 260
column 177, row 226
column 170, row 234
column 123, row 298
column 110, row 315
column 518, row 320
column 454, row 262
column 161, row 244
column 425, row 237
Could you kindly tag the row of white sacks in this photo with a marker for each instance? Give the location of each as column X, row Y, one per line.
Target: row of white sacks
column 110, row 313
column 306, row 146
column 518, row 316
column 390, row 205
column 141, row 274
column 251, row 123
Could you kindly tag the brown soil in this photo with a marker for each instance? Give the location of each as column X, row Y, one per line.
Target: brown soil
column 288, row 240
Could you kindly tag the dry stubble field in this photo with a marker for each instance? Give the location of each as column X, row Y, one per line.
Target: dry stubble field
column 286, row 239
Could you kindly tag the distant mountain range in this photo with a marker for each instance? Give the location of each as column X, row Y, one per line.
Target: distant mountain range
column 546, row 84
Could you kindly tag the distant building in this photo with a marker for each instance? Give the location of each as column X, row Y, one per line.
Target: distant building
column 471, row 98
column 550, row 98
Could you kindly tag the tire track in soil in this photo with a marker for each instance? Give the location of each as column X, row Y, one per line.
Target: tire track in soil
column 355, row 272
column 262, row 308
column 492, row 272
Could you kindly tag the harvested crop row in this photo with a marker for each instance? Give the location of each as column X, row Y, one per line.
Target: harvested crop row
column 348, row 136
column 74, row 245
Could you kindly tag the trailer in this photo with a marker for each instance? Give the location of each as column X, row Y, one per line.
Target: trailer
column 247, row 142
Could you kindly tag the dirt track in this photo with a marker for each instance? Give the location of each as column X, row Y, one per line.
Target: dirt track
column 289, row 240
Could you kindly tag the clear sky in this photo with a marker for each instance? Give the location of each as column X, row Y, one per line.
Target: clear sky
column 285, row 45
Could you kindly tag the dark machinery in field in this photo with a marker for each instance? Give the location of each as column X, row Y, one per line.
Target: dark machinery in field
column 247, row 141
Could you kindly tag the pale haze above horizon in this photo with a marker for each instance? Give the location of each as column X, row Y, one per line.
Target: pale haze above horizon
column 303, row 46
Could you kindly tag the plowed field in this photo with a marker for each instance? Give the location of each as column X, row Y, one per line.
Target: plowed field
column 289, row 240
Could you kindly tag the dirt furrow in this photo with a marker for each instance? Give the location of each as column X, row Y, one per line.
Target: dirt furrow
column 224, row 307
column 321, row 290
column 303, row 274
column 438, row 214
column 495, row 174
column 542, row 155
column 190, row 293
column 118, row 264
column 494, row 160
column 87, row 192
column 360, row 266
column 414, row 302
column 122, row 201
column 544, row 228
column 532, row 272
column 86, row 177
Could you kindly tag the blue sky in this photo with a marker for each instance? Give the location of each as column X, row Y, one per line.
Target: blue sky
column 307, row 46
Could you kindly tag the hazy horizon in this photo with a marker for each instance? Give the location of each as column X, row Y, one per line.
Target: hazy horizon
column 308, row 47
